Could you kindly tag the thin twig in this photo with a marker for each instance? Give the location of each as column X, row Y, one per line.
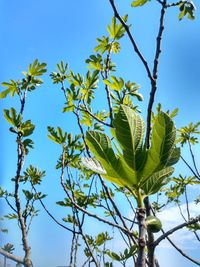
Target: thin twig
column 188, row 165
column 183, row 253
column 9, row 204
column 176, row 228
column 133, row 42
column 51, row 216
column 90, row 214
column 178, row 3
column 106, row 86
column 11, row 256
column 155, row 72
column 193, row 159
column 93, row 116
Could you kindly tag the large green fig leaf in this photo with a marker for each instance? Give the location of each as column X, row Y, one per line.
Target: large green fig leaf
column 156, row 181
column 130, row 164
column 162, row 152
column 174, row 157
column 129, row 132
column 117, row 170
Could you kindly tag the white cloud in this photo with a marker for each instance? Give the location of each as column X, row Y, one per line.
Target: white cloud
column 171, row 217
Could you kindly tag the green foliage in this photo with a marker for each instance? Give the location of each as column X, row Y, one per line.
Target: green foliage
column 12, row 117
column 123, row 256
column 115, row 84
column 11, row 216
column 12, row 88
column 178, row 187
column 72, row 146
column 28, row 194
column 115, row 30
column 123, row 93
column 57, row 135
column 27, row 143
column 134, row 166
column 34, row 175
column 29, row 83
column 187, row 134
column 20, row 128
column 110, row 44
column 60, row 75
column 8, row 248
column 36, row 69
column 137, row 3
column 186, row 9
column 97, row 242
column 70, row 219
column 95, row 62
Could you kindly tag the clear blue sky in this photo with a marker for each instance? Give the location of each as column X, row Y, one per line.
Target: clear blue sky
column 66, row 30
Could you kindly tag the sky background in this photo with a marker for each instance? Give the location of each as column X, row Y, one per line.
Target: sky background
column 67, row 30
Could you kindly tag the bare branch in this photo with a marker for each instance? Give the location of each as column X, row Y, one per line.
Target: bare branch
column 193, row 159
column 155, row 72
column 177, row 3
column 133, row 42
column 11, row 256
column 178, row 227
column 51, row 216
column 182, row 253
column 188, row 165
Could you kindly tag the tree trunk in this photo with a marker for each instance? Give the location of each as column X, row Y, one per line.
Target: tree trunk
column 151, row 250
column 4, row 261
column 141, row 260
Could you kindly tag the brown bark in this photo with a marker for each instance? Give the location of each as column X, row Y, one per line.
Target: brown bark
column 141, row 260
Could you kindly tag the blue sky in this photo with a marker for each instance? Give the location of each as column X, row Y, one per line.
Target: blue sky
column 66, row 30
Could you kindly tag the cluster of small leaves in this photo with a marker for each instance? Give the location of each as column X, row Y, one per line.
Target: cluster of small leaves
column 70, row 219
column 187, row 134
column 96, row 243
column 73, row 147
column 57, row 135
column 22, row 129
column 29, row 83
column 171, row 114
column 178, row 187
column 123, row 256
column 33, row 175
column 60, row 75
column 97, row 62
column 123, row 93
column 137, row 3
column 8, row 248
column 111, row 43
column 80, row 196
column 89, row 120
column 186, row 9
column 80, row 88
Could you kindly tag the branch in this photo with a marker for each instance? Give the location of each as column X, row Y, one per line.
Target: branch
column 89, row 213
column 133, row 42
column 188, row 165
column 183, row 253
column 178, row 227
column 93, row 116
column 155, row 72
column 11, row 256
column 52, row 217
column 177, row 3
column 193, row 159
column 106, row 86
column 9, row 204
